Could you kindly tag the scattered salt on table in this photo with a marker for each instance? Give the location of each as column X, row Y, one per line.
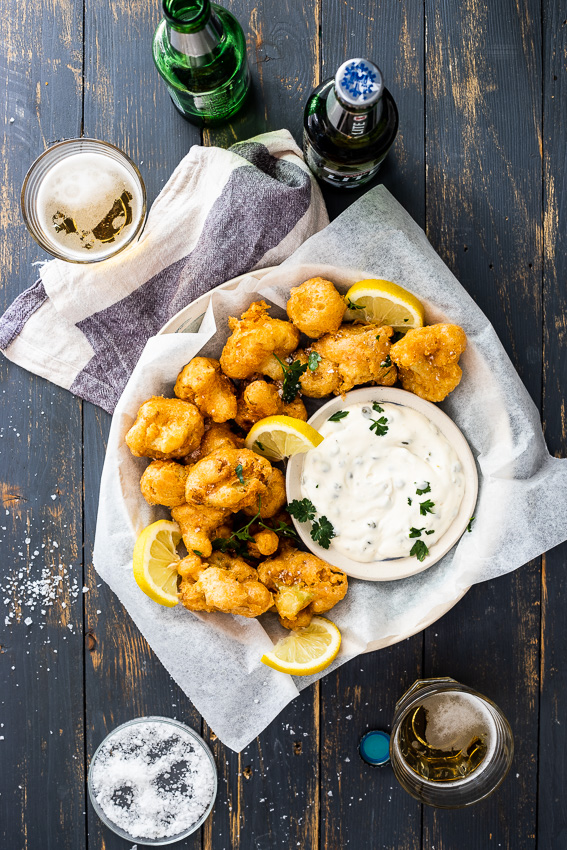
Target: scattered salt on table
column 151, row 781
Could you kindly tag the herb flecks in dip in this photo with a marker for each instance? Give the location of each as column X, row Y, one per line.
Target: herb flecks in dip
column 383, row 476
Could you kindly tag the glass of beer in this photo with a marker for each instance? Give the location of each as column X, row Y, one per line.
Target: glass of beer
column 450, row 746
column 84, row 200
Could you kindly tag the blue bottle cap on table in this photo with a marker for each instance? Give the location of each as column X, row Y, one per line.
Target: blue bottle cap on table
column 374, row 748
column 358, row 82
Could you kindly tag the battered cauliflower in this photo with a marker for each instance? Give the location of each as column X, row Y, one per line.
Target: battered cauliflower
column 202, row 382
column 303, row 585
column 227, row 584
column 427, row 360
column 255, row 338
column 165, row 428
column 163, row 483
column 260, row 399
column 316, row 307
column 199, row 524
column 228, row 478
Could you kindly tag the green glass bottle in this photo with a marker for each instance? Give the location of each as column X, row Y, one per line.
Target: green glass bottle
column 200, row 51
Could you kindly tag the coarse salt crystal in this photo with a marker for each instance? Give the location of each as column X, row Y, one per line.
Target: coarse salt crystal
column 28, row 621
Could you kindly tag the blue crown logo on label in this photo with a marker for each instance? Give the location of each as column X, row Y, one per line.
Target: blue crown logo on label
column 360, row 81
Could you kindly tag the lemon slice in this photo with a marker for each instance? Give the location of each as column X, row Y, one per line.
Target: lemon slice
column 306, row 651
column 276, row 437
column 385, row 303
column 156, row 560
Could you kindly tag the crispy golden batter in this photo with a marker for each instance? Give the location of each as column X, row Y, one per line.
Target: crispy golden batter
column 303, row 585
column 315, row 307
column 163, row 483
column 165, row 428
column 217, row 436
column 324, row 380
column 255, row 338
column 260, row 399
column 360, row 355
column 274, row 497
column 202, row 382
column 191, row 566
column 265, row 543
column 427, row 359
column 228, row 585
column 199, row 524
column 216, row 480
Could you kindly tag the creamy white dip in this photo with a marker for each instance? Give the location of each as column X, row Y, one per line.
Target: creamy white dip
column 364, row 478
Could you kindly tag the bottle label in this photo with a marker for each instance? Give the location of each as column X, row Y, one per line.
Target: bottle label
column 324, row 170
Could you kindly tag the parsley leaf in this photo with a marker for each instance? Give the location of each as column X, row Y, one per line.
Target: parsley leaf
column 200, row 554
column 378, row 336
column 416, row 532
column 426, row 507
column 380, row 426
column 239, row 474
column 282, row 528
column 340, row 414
column 322, row 532
column 420, row 550
column 377, row 408
column 302, row 509
column 426, row 489
column 469, row 526
column 409, row 501
column 387, row 362
column 431, row 532
column 259, row 444
column 352, row 306
column 292, row 375
column 313, row 360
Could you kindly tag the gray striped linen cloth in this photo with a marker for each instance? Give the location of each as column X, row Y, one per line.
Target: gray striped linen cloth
column 221, row 214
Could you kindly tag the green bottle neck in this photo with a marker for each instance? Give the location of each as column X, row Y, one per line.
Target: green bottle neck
column 187, row 16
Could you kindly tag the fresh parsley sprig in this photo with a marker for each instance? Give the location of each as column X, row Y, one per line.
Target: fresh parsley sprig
column 416, row 532
column 239, row 539
column 313, row 360
column 292, row 374
column 471, row 520
column 426, row 489
column 239, row 474
column 322, row 530
column 352, row 306
column 420, row 550
column 426, row 507
column 340, row 414
column 380, row 426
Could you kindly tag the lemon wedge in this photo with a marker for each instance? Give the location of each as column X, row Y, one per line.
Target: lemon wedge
column 306, row 651
column 276, row 437
column 156, row 560
column 385, row 303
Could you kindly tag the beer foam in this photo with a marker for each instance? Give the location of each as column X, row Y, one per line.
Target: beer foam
column 83, row 187
column 454, row 719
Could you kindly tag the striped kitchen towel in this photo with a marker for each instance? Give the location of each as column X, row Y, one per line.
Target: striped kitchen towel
column 221, row 214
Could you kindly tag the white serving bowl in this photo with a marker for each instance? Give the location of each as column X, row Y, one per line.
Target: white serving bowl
column 392, row 568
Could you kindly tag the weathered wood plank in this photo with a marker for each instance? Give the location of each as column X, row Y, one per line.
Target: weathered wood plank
column 392, row 35
column 364, row 805
column 41, row 679
column 483, row 216
column 552, row 820
column 125, row 103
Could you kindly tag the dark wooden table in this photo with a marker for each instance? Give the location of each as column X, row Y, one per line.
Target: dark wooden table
column 480, row 164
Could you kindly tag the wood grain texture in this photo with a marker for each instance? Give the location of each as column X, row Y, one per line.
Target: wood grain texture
column 125, row 103
column 484, row 218
column 552, row 821
column 41, row 668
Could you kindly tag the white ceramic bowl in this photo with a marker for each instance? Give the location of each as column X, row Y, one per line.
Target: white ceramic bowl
column 392, row 568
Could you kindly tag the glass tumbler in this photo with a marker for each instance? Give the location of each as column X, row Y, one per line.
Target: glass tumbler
column 450, row 746
column 83, row 200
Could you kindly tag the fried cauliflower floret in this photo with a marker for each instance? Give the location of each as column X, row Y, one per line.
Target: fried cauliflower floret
column 191, row 566
column 199, row 524
column 316, row 307
column 163, row 483
column 264, row 544
column 255, row 338
column 216, row 437
column 165, row 428
column 303, row 585
column 273, row 499
column 360, row 353
column 202, row 382
column 427, row 360
column 260, row 399
column 228, row 585
column 323, row 381
column 217, row 480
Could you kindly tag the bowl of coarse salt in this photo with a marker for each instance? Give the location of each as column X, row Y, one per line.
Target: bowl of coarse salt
column 153, row 780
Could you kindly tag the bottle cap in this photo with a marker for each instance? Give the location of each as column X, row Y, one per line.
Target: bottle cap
column 358, row 82
column 374, row 748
